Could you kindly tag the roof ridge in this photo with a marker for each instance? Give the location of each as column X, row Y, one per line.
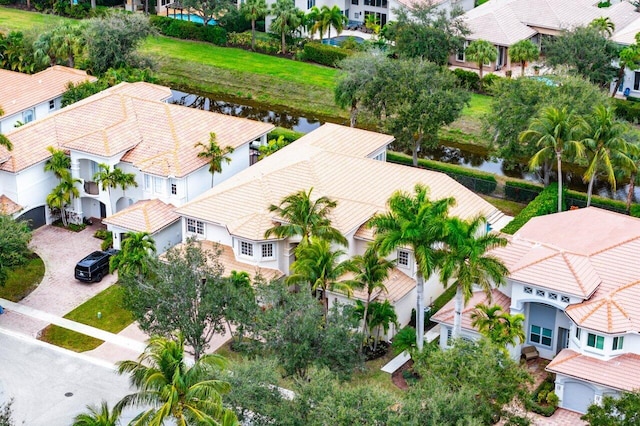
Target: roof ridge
column 597, row 305
column 573, row 270
column 637, row 237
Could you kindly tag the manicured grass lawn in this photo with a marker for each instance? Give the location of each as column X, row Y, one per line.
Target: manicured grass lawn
column 478, row 105
column 15, row 19
column 114, row 319
column 508, row 207
column 23, row 280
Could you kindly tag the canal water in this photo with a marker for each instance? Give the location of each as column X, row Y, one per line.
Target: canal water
column 473, row 157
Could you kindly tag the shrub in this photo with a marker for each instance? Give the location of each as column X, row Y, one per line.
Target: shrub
column 627, row 110
column 323, row 54
column 288, row 134
column 552, row 399
column 489, row 80
column 404, row 340
column 189, row 30
column 102, row 234
column 545, row 203
column 467, row 79
column 269, row 47
column 477, row 181
column 522, row 192
column 234, row 21
column 579, row 199
column 108, row 241
column 539, row 399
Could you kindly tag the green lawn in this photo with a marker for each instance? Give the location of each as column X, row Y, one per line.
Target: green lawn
column 14, row 19
column 23, row 280
column 508, row 207
column 478, row 106
column 114, row 319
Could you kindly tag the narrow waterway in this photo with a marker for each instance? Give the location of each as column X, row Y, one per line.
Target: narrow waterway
column 471, row 156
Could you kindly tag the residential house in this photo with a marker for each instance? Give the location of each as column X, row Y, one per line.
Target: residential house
column 27, row 97
column 505, row 22
column 129, row 126
column 575, row 277
column 346, row 165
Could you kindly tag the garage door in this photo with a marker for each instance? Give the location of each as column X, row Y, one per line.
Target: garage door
column 35, row 217
column 577, row 396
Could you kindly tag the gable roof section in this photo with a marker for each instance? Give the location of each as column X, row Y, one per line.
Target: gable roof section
column 446, row 314
column 620, row 372
column 8, row 206
column 398, row 285
column 158, row 138
column 144, row 216
column 19, row 91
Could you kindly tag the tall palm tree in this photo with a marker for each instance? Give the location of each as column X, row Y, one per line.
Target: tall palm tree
column 481, row 52
column 500, row 327
column 62, row 195
column 59, row 163
column 108, row 178
column 382, row 315
column 333, row 17
column 135, row 253
column 466, row 262
column 416, row 222
column 605, row 146
column 311, row 22
column 254, row 10
column 555, row 133
column 321, row 267
column 186, row 394
column 524, row 51
column 214, row 154
column 305, row 217
column 373, row 270
column 287, row 19
column 101, row 416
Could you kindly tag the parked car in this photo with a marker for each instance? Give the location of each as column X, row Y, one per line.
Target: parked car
column 95, row 266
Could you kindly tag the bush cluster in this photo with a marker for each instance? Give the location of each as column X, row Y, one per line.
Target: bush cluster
column 189, row 30
column 521, row 192
column 323, row 54
column 627, row 109
column 488, row 80
column 288, row 134
column 270, row 47
column 482, row 182
column 543, row 400
column 467, row 79
column 545, row 203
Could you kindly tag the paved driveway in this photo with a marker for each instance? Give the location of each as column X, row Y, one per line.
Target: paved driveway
column 59, row 291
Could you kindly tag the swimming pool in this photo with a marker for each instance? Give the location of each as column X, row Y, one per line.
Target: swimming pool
column 335, row 41
column 191, row 17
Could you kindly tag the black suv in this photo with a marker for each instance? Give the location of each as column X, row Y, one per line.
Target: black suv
column 95, row 266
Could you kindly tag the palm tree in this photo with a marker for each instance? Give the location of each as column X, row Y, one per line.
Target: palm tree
column 501, row 328
column 628, row 58
column 186, row 394
column 287, row 19
column 59, row 163
column 4, row 141
column 466, row 262
column 98, row 416
column 481, row 52
column 523, row 52
column 606, row 147
column 108, row 179
column 382, row 315
column 124, row 180
column 62, row 195
column 321, row 267
column 214, row 154
column 604, row 25
column 373, row 270
column 554, row 133
column 254, row 10
column 415, row 222
column 333, row 17
column 311, row 20
column 135, row 253
column 305, row 217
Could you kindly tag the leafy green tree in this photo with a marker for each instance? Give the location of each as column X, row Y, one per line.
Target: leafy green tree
column 500, row 327
column 466, row 262
column 59, row 163
column 209, row 9
column 404, row 340
column 77, row 92
column 605, row 146
column 180, row 293
column 101, row 416
column 17, row 53
column 214, row 154
column 481, row 52
column 416, row 222
column 381, row 316
column 238, row 305
column 287, row 19
column 254, row 10
column 319, row 266
column 187, row 394
column 333, row 17
column 4, row 141
column 272, row 146
column 302, row 216
column 597, row 53
column 615, row 411
column 62, row 44
column 134, row 257
column 524, row 51
column 554, row 133
column 14, row 244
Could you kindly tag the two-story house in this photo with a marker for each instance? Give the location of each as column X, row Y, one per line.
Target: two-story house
column 131, row 127
column 27, row 97
column 342, row 163
column 575, row 277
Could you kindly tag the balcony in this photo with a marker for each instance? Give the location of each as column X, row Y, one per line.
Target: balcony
column 91, row 188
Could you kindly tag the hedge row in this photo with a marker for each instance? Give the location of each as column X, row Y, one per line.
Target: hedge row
column 324, row 54
column 477, row 181
column 288, row 134
column 545, row 203
column 522, row 192
column 627, row 110
column 189, row 30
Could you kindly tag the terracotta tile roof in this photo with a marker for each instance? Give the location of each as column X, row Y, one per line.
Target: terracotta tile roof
column 398, row 285
column 142, row 90
column 20, row 91
column 144, row 216
column 620, row 372
column 159, row 137
column 361, row 186
column 8, row 206
column 446, row 313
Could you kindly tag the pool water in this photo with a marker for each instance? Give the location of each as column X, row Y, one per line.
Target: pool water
column 191, row 17
column 335, row 41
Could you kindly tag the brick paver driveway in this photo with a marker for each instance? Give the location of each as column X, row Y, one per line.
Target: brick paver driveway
column 59, row 291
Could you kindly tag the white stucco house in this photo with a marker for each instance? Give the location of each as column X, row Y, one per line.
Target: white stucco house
column 345, row 164
column 28, row 97
column 129, row 126
column 575, row 277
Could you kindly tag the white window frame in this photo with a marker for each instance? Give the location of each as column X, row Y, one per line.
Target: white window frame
column 173, row 185
column 403, row 258
column 245, row 248
column 158, row 185
column 596, row 337
column 147, row 182
column 618, row 343
column 195, row 226
column 28, row 116
column 464, row 56
column 269, row 248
